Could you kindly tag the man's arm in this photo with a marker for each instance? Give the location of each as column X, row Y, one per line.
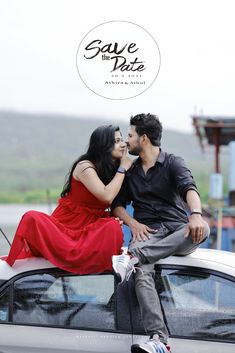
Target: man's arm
column 188, row 191
column 139, row 231
column 196, row 225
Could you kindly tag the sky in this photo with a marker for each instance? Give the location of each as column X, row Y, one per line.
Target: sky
column 39, row 41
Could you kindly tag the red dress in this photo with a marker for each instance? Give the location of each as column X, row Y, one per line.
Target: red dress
column 79, row 236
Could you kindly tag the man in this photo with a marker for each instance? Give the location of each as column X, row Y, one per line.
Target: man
column 167, row 220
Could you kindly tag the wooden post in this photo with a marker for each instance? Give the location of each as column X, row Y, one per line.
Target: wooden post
column 216, row 138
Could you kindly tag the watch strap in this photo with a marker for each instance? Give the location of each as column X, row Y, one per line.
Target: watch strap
column 121, row 170
column 196, row 211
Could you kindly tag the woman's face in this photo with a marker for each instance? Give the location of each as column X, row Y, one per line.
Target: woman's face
column 119, row 146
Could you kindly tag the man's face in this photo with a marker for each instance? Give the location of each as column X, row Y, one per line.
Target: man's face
column 133, row 142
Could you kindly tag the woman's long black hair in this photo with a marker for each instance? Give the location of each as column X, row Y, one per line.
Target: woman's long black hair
column 101, row 144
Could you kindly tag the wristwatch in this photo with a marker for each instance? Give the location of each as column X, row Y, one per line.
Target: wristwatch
column 196, row 211
column 121, row 170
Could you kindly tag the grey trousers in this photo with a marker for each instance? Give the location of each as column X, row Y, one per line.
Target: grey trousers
column 160, row 245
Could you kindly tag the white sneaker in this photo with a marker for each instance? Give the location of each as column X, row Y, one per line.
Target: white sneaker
column 153, row 345
column 124, row 265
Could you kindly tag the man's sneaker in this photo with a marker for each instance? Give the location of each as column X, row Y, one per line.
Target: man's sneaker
column 153, row 345
column 124, row 265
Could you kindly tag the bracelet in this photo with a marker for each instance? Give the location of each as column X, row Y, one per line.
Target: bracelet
column 196, row 211
column 121, row 170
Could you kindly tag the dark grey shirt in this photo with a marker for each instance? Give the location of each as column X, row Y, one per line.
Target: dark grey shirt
column 158, row 196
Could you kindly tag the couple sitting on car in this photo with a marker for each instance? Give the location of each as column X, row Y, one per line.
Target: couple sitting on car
column 82, row 236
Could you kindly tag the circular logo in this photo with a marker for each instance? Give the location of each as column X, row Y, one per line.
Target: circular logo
column 118, row 60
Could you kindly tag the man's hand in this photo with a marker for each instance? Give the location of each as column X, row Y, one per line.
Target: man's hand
column 140, row 232
column 196, row 228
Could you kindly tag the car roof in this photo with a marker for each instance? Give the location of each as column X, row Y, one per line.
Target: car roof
column 218, row 260
column 21, row 266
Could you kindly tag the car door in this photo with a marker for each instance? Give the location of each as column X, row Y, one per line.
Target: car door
column 53, row 311
column 199, row 309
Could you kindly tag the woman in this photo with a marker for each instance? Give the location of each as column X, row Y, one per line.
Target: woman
column 80, row 236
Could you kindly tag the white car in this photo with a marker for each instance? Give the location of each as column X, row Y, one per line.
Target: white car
column 44, row 309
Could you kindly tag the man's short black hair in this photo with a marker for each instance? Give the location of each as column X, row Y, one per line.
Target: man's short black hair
column 149, row 125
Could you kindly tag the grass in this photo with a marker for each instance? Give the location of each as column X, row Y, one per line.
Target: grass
column 30, row 196
column 42, row 195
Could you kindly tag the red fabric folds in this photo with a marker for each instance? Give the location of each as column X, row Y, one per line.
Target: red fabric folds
column 79, row 236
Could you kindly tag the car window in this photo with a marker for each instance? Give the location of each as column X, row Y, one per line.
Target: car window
column 4, row 307
column 198, row 305
column 65, row 300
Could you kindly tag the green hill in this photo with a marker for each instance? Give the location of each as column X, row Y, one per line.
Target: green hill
column 36, row 151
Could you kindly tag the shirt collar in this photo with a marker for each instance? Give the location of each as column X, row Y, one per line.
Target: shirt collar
column 161, row 158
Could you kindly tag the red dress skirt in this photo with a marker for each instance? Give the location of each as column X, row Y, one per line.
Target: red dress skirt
column 79, row 236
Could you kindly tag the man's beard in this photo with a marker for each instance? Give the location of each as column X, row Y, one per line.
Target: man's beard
column 135, row 151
